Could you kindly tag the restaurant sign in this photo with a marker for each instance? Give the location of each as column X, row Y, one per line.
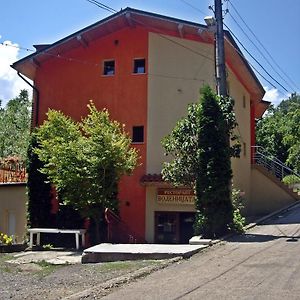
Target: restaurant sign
column 175, row 196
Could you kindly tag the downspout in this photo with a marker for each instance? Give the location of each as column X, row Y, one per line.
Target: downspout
column 37, row 100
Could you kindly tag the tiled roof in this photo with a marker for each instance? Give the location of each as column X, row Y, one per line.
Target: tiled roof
column 147, row 178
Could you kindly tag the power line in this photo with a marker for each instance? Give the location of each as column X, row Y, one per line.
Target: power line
column 261, row 44
column 255, row 58
column 18, row 47
column 251, row 56
column 69, row 59
column 242, row 55
column 194, row 7
column 262, row 54
column 103, row 6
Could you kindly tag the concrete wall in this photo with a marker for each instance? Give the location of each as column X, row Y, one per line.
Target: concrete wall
column 13, row 200
column 266, row 195
column 175, row 76
column 174, row 79
column 241, row 166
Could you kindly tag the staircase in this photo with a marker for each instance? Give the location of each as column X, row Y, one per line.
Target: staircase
column 273, row 168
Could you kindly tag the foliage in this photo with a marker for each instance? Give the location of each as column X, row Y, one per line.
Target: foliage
column 85, row 160
column 15, row 126
column 199, row 145
column 238, row 205
column 182, row 144
column 47, row 247
column 38, row 190
column 291, row 179
column 279, row 131
column 5, row 239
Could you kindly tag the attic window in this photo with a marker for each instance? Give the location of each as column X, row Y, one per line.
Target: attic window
column 109, row 67
column 139, row 66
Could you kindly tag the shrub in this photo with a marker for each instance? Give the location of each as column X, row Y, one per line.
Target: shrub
column 237, row 203
column 6, row 239
column 291, row 179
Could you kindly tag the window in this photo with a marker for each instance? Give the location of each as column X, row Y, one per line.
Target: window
column 109, row 67
column 139, row 66
column 137, row 134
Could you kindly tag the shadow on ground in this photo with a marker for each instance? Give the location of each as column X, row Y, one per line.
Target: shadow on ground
column 260, row 238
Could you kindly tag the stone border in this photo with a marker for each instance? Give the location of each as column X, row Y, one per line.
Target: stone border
column 103, row 288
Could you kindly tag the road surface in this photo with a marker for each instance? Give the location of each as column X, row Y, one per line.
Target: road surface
column 262, row 264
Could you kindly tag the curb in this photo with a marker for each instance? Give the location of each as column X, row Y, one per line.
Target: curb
column 260, row 220
column 115, row 282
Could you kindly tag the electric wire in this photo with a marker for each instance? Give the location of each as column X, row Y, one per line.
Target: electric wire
column 103, row 6
column 69, row 59
column 254, row 68
column 255, row 61
column 262, row 54
column 249, row 53
column 194, row 7
column 261, row 44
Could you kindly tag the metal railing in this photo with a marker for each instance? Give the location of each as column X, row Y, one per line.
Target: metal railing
column 261, row 157
column 118, row 231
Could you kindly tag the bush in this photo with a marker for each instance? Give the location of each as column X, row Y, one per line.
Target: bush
column 237, row 203
column 291, row 179
column 6, row 239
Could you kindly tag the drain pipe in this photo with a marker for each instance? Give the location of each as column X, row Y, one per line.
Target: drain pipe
column 37, row 100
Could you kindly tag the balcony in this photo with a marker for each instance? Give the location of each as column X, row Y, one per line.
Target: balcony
column 12, row 170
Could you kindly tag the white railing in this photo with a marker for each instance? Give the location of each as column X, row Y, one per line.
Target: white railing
column 271, row 163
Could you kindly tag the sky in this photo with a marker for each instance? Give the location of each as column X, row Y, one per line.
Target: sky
column 274, row 23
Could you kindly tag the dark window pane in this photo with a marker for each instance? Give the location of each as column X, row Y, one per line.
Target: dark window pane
column 139, row 66
column 109, row 67
column 138, row 134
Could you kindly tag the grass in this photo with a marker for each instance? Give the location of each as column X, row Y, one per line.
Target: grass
column 47, row 268
column 4, row 266
column 126, row 265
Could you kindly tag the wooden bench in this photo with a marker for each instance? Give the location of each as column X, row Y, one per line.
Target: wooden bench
column 38, row 232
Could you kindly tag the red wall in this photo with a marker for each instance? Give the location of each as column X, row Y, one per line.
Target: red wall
column 68, row 85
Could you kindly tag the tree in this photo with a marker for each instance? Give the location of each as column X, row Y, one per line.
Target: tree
column 15, row 126
column 85, row 160
column 38, row 189
column 200, row 150
column 278, row 131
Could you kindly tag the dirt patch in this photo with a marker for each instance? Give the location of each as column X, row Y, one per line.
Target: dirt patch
column 42, row 279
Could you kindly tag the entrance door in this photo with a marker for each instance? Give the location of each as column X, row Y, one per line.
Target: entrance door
column 166, row 227
column 186, row 220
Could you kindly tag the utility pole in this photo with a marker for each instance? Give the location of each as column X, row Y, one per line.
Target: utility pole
column 220, row 51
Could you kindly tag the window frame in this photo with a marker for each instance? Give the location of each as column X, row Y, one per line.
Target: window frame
column 134, row 65
column 104, row 67
column 143, row 132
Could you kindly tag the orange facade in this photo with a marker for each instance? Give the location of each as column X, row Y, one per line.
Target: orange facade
column 70, row 73
column 69, row 84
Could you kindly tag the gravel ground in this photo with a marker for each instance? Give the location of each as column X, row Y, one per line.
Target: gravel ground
column 43, row 280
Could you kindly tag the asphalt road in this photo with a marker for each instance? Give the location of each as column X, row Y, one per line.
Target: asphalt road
column 262, row 264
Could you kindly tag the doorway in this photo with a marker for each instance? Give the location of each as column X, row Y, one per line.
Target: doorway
column 173, row 227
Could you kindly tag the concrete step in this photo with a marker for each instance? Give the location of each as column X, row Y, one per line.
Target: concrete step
column 117, row 252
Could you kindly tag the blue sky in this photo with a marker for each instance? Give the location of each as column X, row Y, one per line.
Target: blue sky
column 276, row 24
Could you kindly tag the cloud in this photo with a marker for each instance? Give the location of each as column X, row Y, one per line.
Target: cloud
column 10, row 82
column 273, row 95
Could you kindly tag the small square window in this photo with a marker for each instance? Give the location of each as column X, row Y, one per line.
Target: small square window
column 139, row 66
column 109, row 67
column 137, row 134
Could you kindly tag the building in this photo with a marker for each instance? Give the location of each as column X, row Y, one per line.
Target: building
column 13, row 198
column 145, row 69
